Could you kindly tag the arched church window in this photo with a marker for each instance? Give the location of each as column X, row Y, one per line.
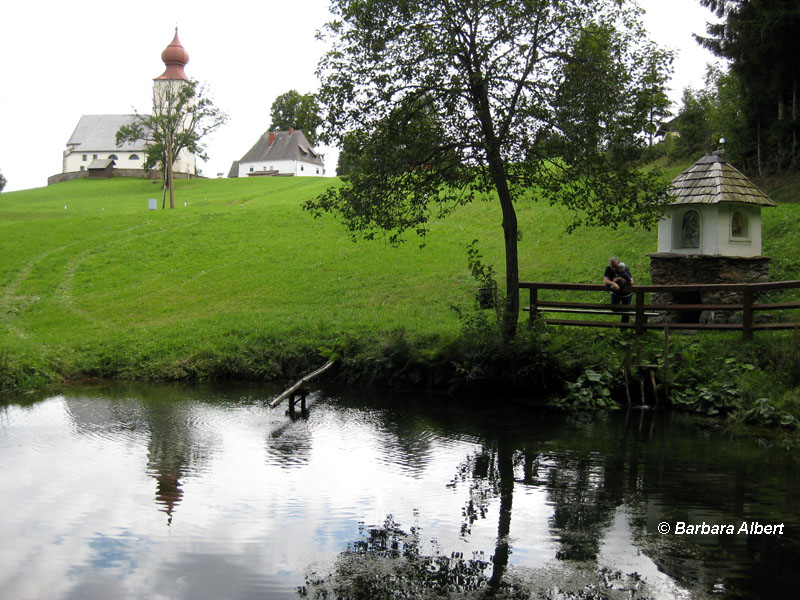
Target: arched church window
column 134, row 157
column 738, row 225
column 113, row 157
column 690, row 230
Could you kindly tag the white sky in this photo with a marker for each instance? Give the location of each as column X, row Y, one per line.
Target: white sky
column 61, row 60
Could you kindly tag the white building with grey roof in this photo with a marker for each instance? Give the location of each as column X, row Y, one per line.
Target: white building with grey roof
column 280, row 153
column 95, row 136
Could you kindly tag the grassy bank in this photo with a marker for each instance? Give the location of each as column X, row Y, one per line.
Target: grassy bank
column 104, row 286
column 238, row 281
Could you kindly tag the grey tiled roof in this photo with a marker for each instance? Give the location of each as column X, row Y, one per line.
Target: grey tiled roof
column 98, row 133
column 712, row 180
column 284, row 147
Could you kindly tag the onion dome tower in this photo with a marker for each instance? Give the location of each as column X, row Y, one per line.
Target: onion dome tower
column 165, row 93
column 175, row 58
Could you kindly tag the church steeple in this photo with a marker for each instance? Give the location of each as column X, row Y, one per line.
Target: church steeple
column 175, row 58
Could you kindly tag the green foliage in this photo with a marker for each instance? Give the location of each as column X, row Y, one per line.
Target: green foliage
column 300, row 111
column 591, row 391
column 714, row 399
column 763, row 412
column 3, row 181
column 709, row 115
column 484, row 275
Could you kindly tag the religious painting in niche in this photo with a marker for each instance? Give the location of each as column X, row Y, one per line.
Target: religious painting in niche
column 690, row 237
column 738, row 225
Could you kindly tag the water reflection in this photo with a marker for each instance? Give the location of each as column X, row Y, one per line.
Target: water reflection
column 201, row 492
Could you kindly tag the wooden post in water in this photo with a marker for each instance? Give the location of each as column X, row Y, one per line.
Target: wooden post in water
column 627, row 368
column 290, row 393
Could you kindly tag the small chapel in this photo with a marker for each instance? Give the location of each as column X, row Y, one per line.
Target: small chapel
column 710, row 233
column 92, row 147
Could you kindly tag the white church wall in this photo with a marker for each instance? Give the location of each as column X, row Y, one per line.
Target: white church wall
column 125, row 160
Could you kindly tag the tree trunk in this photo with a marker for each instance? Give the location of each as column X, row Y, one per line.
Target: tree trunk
column 505, row 466
column 510, row 316
column 497, row 171
column 510, row 234
column 169, row 172
column 758, row 146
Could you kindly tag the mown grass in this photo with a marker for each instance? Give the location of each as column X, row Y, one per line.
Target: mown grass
column 238, row 280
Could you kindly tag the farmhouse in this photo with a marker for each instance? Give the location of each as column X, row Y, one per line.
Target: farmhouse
column 279, row 153
column 94, row 138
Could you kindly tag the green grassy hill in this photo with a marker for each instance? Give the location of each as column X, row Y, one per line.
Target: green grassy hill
column 93, row 283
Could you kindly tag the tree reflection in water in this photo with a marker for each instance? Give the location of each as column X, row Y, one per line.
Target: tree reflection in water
column 388, row 561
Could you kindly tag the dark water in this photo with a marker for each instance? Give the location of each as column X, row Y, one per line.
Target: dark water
column 204, row 492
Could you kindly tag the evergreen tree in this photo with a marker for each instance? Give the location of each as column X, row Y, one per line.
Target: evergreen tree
column 760, row 38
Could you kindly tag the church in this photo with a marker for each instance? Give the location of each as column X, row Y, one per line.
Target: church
column 93, row 146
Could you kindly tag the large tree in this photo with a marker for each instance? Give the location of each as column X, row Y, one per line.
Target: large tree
column 3, row 181
column 300, row 111
column 449, row 100
column 182, row 117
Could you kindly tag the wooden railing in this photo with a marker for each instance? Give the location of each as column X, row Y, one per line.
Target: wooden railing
column 639, row 311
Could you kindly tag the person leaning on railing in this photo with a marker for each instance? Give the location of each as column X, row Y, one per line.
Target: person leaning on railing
column 618, row 280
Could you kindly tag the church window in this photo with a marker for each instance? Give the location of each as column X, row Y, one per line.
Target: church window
column 251, row 169
column 134, row 157
column 113, row 157
column 84, row 157
column 738, row 225
column 690, row 231
column 83, row 168
column 94, row 156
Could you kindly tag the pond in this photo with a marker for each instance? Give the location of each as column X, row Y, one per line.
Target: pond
column 168, row 491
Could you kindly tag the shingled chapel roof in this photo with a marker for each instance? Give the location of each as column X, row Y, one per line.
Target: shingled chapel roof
column 712, row 180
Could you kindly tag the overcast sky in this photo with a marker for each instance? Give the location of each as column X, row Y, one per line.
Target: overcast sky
column 62, row 60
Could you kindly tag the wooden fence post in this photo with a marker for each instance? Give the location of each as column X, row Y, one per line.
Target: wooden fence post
column 532, row 306
column 639, row 318
column 747, row 315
